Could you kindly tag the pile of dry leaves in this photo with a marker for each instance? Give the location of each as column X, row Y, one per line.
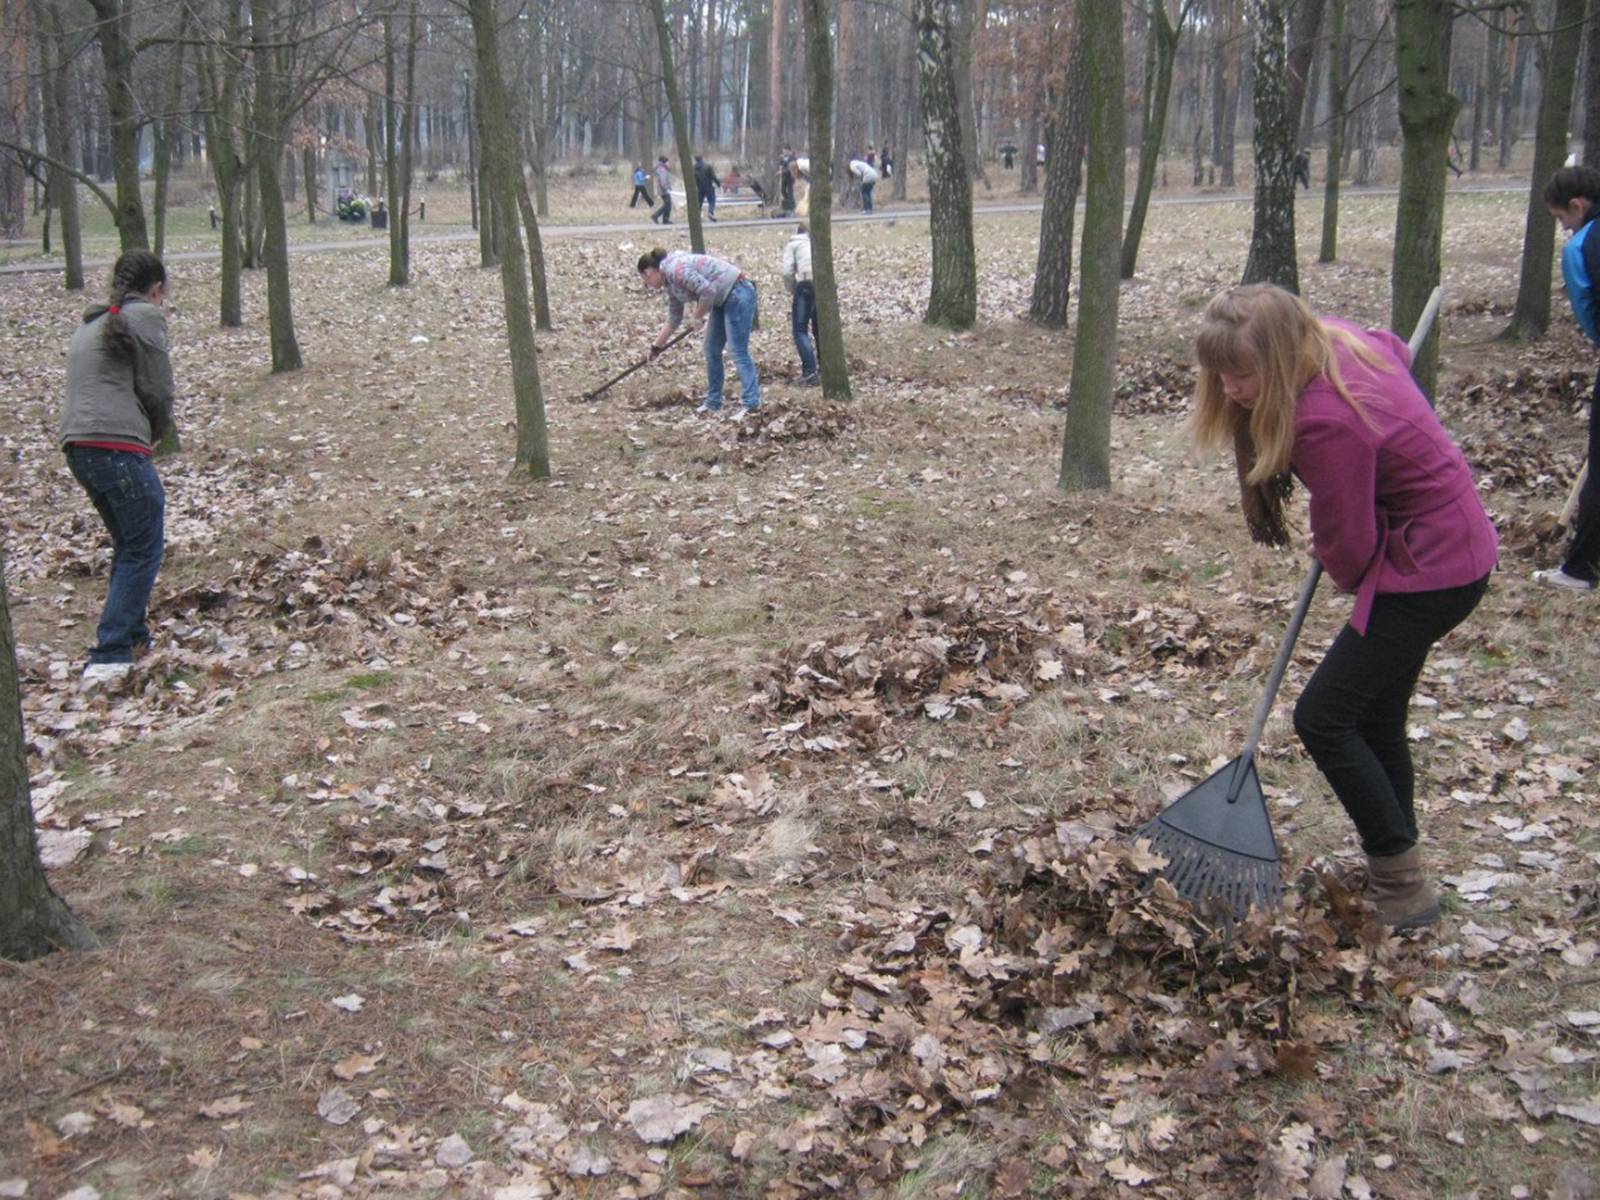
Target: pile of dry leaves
column 980, row 648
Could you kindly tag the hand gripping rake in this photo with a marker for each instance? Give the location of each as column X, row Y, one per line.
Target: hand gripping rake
column 623, row 374
column 1221, row 854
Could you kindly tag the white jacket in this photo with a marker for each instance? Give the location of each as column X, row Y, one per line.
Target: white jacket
column 864, row 171
column 797, row 260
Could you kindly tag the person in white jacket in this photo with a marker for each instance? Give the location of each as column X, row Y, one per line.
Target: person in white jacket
column 796, row 265
column 868, row 175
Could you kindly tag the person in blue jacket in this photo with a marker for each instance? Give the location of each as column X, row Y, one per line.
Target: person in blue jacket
column 1573, row 197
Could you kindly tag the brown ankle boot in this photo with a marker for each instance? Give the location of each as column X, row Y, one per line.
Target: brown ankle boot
column 1401, row 893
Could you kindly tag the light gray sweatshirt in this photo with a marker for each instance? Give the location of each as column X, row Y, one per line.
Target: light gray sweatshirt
column 115, row 399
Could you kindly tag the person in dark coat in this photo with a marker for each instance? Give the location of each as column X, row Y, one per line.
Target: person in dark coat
column 706, row 183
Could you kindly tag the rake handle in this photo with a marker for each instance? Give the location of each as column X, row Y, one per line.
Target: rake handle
column 625, row 372
column 1303, row 604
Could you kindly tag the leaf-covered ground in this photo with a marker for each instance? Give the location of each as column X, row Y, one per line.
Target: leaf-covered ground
column 741, row 812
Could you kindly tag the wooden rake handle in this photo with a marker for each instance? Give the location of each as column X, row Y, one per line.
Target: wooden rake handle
column 623, row 374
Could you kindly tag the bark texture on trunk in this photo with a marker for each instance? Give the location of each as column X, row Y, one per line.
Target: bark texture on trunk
column 1427, row 114
column 502, row 162
column 680, row 127
column 953, row 300
column 830, row 329
column 1086, row 440
column 1164, row 34
column 1338, row 103
column 114, row 32
column 33, row 919
column 1063, row 174
column 270, row 124
column 1532, row 315
column 1272, row 244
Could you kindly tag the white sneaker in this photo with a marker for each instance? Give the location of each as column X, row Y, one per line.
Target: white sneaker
column 705, row 410
column 97, row 675
column 742, row 414
column 1558, row 577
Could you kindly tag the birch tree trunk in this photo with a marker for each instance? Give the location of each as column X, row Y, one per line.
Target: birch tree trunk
column 830, row 329
column 1272, row 245
column 953, row 300
column 1086, row 440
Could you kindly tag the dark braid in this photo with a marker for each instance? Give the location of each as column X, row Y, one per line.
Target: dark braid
column 135, row 273
column 652, row 258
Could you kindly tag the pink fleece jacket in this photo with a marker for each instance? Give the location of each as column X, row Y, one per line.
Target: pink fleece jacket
column 1393, row 504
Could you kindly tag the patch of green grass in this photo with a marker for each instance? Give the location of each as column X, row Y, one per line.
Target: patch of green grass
column 371, row 680
column 189, row 846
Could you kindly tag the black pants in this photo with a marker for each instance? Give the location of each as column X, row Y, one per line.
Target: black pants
column 1352, row 715
column 1583, row 556
column 663, row 214
column 639, row 193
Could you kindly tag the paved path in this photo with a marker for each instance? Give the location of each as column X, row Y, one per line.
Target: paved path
column 680, row 228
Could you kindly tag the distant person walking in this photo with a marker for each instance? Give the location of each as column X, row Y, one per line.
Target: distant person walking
column 886, row 163
column 868, row 175
column 796, row 266
column 786, row 181
column 663, row 173
column 706, row 183
column 1302, row 168
column 1573, row 198
column 720, row 298
column 641, row 188
column 118, row 405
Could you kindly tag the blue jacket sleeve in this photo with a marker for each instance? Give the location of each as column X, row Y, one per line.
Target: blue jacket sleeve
column 1580, row 268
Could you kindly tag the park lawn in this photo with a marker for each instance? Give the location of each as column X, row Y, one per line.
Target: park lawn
column 465, row 832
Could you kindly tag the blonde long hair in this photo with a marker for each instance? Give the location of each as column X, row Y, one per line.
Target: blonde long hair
column 1261, row 329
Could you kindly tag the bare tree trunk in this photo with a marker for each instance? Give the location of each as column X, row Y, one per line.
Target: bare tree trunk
column 63, row 187
column 502, row 159
column 1532, row 316
column 1086, row 439
column 1272, row 242
column 1422, row 31
column 953, row 300
column 114, row 32
column 830, row 329
column 1164, row 34
column 269, row 163
column 775, row 100
column 162, row 128
column 536, row 269
column 1338, row 102
column 905, row 88
column 1063, row 172
column 680, row 128
column 33, row 919
column 1591, row 87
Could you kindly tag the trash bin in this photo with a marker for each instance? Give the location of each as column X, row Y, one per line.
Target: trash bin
column 380, row 217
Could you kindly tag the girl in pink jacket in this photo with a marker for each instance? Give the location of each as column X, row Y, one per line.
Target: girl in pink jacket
column 1395, row 520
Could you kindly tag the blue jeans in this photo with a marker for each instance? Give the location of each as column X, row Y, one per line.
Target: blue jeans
column 801, row 313
column 729, row 325
column 866, row 196
column 127, row 493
